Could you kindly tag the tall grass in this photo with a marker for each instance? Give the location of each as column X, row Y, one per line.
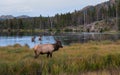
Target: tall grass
column 92, row 58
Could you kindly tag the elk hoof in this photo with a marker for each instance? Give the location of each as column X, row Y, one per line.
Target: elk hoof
column 35, row 57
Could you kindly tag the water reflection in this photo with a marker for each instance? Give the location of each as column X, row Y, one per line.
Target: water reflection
column 65, row 38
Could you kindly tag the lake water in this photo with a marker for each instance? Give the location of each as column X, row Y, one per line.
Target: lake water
column 66, row 38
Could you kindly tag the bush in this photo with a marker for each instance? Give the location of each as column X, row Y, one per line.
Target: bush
column 50, row 30
column 17, row 45
column 68, row 30
column 58, row 30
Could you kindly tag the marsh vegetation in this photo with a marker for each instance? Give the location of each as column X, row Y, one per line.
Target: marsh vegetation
column 92, row 58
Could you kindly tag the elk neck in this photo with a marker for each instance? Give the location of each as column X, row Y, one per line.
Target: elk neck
column 56, row 47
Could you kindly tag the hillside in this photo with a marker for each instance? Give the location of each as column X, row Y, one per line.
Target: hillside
column 101, row 26
column 97, row 26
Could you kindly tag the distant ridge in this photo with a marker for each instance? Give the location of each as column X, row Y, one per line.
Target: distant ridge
column 4, row 17
column 23, row 16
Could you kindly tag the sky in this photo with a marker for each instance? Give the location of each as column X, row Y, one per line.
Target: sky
column 43, row 7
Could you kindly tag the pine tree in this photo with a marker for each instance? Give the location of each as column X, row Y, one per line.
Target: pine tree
column 118, row 13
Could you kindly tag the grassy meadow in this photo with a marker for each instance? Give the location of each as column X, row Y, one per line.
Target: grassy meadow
column 92, row 58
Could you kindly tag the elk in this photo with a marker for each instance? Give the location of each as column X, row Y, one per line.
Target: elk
column 33, row 39
column 47, row 48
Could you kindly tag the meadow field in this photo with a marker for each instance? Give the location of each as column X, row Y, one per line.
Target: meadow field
column 92, row 58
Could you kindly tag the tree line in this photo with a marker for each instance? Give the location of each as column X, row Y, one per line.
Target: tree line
column 60, row 21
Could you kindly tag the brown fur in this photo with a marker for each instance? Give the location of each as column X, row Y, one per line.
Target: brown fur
column 47, row 48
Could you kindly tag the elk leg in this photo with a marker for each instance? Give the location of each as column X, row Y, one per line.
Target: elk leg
column 36, row 55
column 50, row 54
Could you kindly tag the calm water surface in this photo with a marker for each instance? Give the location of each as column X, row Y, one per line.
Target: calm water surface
column 66, row 38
